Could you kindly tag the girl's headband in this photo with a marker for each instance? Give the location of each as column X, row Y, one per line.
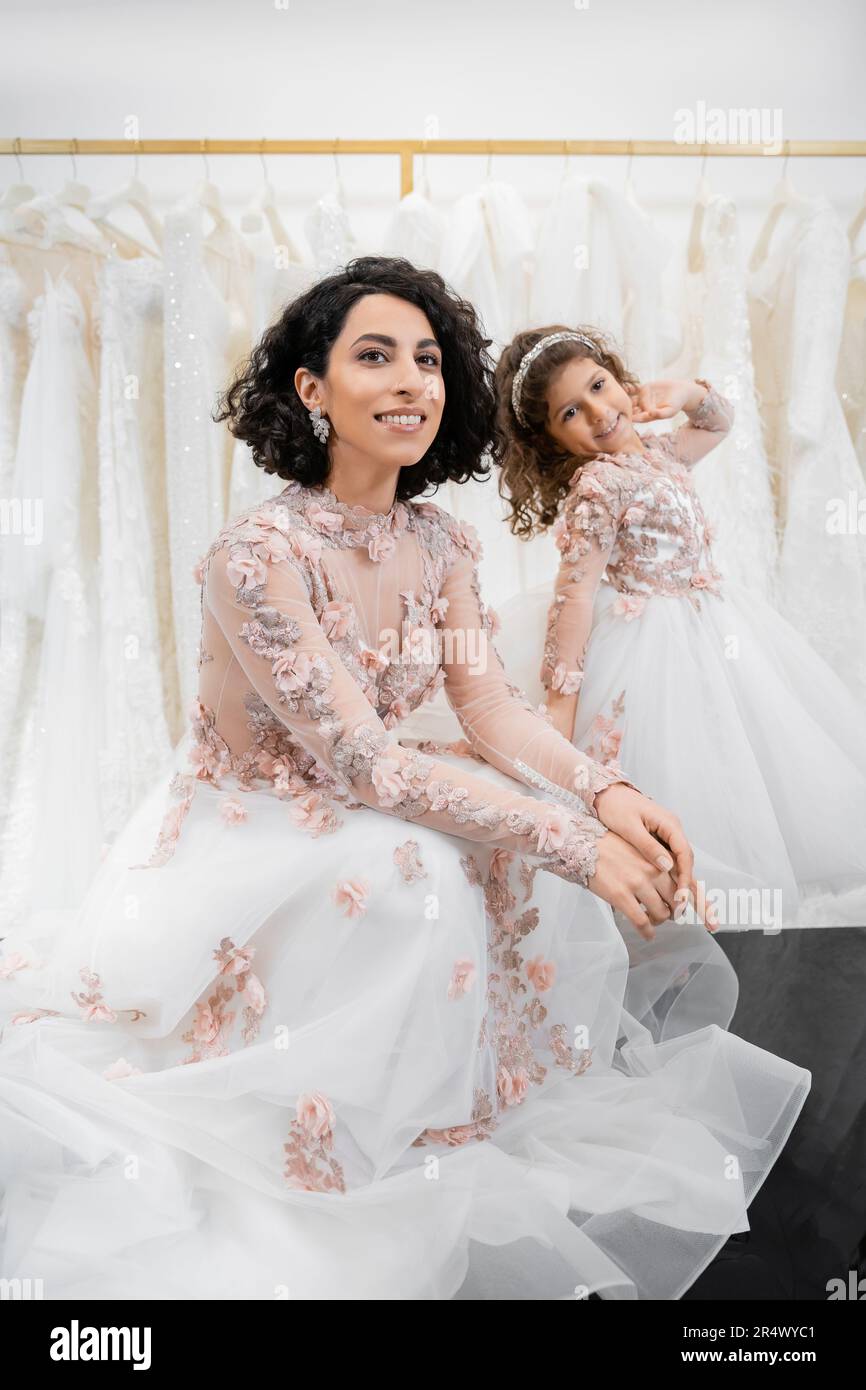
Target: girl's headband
column 529, row 357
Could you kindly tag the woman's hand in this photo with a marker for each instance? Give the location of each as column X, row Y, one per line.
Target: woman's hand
column 623, row 878
column 642, row 823
column 660, row 400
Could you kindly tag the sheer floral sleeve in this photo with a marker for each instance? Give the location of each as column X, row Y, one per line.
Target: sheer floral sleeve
column 259, row 592
column 585, row 532
column 498, row 720
column 707, row 426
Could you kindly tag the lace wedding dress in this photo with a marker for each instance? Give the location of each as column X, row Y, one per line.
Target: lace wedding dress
column 344, row 1011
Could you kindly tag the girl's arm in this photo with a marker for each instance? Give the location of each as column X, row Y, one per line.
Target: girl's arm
column 585, row 532
column 710, row 415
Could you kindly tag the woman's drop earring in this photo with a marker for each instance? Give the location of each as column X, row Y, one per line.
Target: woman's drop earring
column 321, row 424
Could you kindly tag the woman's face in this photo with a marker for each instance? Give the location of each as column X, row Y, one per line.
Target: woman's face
column 588, row 411
column 383, row 392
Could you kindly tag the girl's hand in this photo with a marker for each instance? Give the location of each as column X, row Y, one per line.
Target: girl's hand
column 624, row 879
column 661, row 400
column 644, row 824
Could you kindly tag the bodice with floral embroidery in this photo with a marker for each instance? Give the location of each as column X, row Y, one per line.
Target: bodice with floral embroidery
column 636, row 517
column 323, row 625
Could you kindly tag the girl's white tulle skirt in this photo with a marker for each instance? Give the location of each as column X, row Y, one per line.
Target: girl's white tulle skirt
column 212, row 1079
column 727, row 716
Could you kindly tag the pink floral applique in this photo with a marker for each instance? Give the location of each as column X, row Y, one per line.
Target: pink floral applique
column 306, row 547
column 310, row 1164
column 352, row 894
column 314, row 815
column 120, row 1070
column 232, row 810
column 336, row 619
column 213, row 1019
column 92, row 1004
column 511, row 1086
column 246, row 567
column 32, row 1015
column 606, row 743
column 462, row 978
column 480, row 1127
column 565, row 681
column 541, row 973
column 629, row 606
column 381, row 546
column 407, row 857
column 12, row 963
column 373, row 660
column 324, row 520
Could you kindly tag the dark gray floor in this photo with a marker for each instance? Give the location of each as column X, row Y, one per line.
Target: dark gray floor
column 803, row 996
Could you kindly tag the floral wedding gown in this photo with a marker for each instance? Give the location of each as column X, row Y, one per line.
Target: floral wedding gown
column 715, row 704
column 341, row 1021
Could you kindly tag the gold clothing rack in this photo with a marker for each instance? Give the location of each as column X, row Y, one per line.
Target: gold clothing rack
column 407, row 150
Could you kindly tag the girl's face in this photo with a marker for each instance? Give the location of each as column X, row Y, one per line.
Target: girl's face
column 588, row 411
column 383, row 392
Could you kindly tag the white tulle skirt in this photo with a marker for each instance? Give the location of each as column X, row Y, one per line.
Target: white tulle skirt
column 216, row 1083
column 729, row 717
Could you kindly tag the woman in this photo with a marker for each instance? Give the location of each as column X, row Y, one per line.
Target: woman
column 312, row 1051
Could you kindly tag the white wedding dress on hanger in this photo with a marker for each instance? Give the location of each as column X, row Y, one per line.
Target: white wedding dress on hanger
column 733, row 481
column 851, row 373
column 207, row 332
column 416, row 231
column 137, row 678
column 55, row 583
column 488, row 256
column 797, row 291
column 601, row 262
column 279, row 275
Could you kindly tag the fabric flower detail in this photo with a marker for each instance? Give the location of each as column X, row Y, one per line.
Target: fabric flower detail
column 232, row 810
column 565, row 681
column 373, row 660
column 466, row 537
column 408, row 860
column 388, row 781
column 198, row 570
column 439, row 608
column 336, row 619
column 292, row 671
column 580, row 778
column 93, row 1007
column 462, row 978
column 494, row 621
column 552, row 831
column 233, row 960
column 313, row 814
column 629, row 606
column 397, row 710
column 315, row 1114
column 9, row 964
column 324, row 520
column 306, row 547
column 381, row 546
column 120, row 1069
column 499, row 862
column 610, row 738
column 351, row 895
column 511, row 1085
column 701, row 580
column 245, row 567
column 540, row 973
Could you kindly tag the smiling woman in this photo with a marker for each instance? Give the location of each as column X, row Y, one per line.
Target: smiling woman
column 339, row 961
column 331, row 345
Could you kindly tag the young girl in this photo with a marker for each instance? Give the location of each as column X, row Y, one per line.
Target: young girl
column 647, row 654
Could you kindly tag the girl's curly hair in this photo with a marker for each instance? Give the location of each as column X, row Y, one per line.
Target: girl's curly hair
column 535, row 471
column 263, row 407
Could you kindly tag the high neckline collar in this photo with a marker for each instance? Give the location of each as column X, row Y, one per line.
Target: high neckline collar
column 355, row 516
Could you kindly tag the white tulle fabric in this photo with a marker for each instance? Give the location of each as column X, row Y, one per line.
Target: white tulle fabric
column 374, row 1058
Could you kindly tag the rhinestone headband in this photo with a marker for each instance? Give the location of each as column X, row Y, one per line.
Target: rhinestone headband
column 529, row 357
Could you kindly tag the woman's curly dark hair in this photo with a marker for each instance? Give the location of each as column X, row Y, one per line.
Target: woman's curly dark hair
column 263, row 407
column 535, row 471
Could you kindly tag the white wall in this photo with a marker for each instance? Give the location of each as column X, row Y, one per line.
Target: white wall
column 548, row 69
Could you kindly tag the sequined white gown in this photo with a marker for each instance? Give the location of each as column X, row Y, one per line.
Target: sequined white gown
column 715, row 704
column 341, row 1021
